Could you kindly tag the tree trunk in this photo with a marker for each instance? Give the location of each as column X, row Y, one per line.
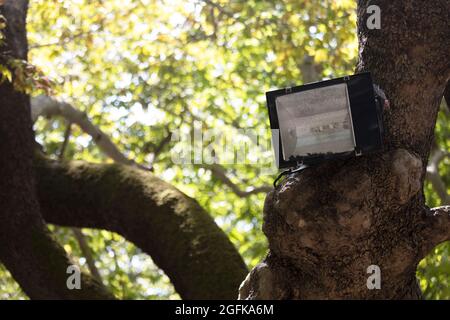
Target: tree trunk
column 329, row 223
column 28, row 251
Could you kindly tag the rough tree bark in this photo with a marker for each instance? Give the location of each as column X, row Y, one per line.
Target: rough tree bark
column 28, row 251
column 328, row 224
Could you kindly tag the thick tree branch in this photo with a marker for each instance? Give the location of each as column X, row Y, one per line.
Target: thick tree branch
column 172, row 228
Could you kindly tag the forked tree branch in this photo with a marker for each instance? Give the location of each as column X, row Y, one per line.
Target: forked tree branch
column 49, row 107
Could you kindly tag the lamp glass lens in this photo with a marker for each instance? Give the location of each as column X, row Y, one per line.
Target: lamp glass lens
column 315, row 121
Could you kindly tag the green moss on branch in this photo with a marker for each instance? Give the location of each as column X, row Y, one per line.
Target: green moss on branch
column 172, row 228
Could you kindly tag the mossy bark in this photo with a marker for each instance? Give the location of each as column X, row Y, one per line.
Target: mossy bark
column 329, row 223
column 179, row 235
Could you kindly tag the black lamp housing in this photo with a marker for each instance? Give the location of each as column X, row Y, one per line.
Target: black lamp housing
column 336, row 118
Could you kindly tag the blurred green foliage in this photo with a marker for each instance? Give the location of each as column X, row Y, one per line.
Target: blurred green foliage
column 141, row 69
column 434, row 271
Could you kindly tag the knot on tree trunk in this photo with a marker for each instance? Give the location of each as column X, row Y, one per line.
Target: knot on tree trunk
column 262, row 277
column 328, row 223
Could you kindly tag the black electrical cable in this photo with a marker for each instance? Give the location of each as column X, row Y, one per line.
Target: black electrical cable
column 289, row 171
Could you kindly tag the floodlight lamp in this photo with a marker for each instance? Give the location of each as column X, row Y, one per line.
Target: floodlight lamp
column 324, row 120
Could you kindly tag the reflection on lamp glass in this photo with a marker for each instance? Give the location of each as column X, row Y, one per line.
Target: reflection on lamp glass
column 315, row 121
